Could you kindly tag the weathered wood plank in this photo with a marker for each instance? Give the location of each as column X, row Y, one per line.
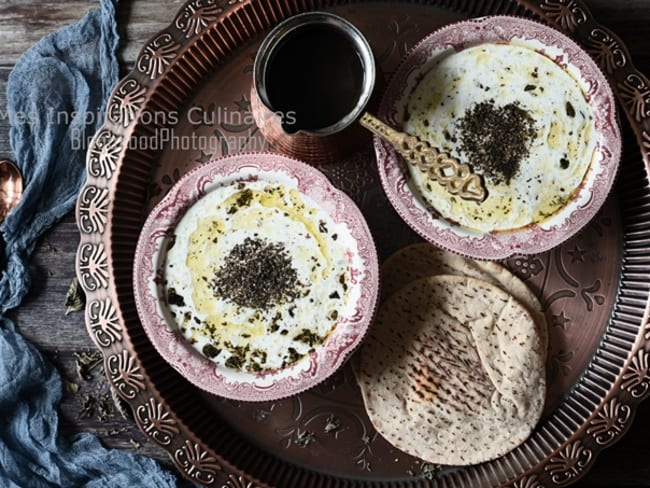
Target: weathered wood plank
column 24, row 23
column 5, row 149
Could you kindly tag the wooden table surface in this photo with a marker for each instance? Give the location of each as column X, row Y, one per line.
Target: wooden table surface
column 87, row 406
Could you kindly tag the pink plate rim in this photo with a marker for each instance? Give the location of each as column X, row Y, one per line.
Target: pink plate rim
column 533, row 239
column 172, row 346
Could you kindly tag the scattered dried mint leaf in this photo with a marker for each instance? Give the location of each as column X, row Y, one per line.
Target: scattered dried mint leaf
column 113, row 432
column 332, row 424
column 308, row 337
column 253, row 367
column 173, row 298
column 49, row 247
column 104, row 409
column 86, row 362
column 243, row 200
column 303, row 439
column 235, row 362
column 71, row 387
column 424, row 469
column 257, row 274
column 342, row 280
column 237, row 350
column 259, row 355
column 429, row 470
column 87, row 407
column 275, row 322
column 210, row 351
column 570, row 111
column 496, row 138
column 293, row 355
column 75, row 298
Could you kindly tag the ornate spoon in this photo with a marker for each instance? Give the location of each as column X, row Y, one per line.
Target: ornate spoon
column 11, row 187
column 457, row 178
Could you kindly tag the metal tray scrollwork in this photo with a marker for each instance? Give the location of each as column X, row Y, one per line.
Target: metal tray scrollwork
column 595, row 288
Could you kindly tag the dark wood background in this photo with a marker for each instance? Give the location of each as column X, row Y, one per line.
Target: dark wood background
column 87, row 405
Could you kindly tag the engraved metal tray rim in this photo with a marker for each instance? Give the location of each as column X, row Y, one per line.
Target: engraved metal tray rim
column 565, row 452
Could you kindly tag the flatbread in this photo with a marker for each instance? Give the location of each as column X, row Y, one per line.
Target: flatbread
column 453, row 371
column 423, row 259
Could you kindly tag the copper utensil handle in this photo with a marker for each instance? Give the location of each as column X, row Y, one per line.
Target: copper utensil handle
column 11, row 187
column 457, row 178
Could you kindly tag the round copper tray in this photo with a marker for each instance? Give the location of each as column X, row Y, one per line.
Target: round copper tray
column 187, row 101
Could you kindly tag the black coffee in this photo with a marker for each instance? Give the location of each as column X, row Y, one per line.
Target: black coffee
column 314, row 77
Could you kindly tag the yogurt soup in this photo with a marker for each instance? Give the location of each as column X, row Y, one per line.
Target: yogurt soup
column 518, row 119
column 255, row 277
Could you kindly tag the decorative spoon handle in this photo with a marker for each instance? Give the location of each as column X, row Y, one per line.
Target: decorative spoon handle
column 457, row 178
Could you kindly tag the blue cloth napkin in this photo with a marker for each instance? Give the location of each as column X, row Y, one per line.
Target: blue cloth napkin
column 71, row 71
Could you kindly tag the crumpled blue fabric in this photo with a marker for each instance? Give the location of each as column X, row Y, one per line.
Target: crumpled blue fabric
column 51, row 94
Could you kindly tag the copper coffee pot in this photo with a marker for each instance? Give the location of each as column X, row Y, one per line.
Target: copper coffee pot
column 321, row 144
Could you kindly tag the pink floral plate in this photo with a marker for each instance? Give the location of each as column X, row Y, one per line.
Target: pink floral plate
column 149, row 280
column 531, row 239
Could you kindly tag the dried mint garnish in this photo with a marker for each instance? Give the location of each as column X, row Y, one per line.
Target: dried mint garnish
column 495, row 138
column 257, row 274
